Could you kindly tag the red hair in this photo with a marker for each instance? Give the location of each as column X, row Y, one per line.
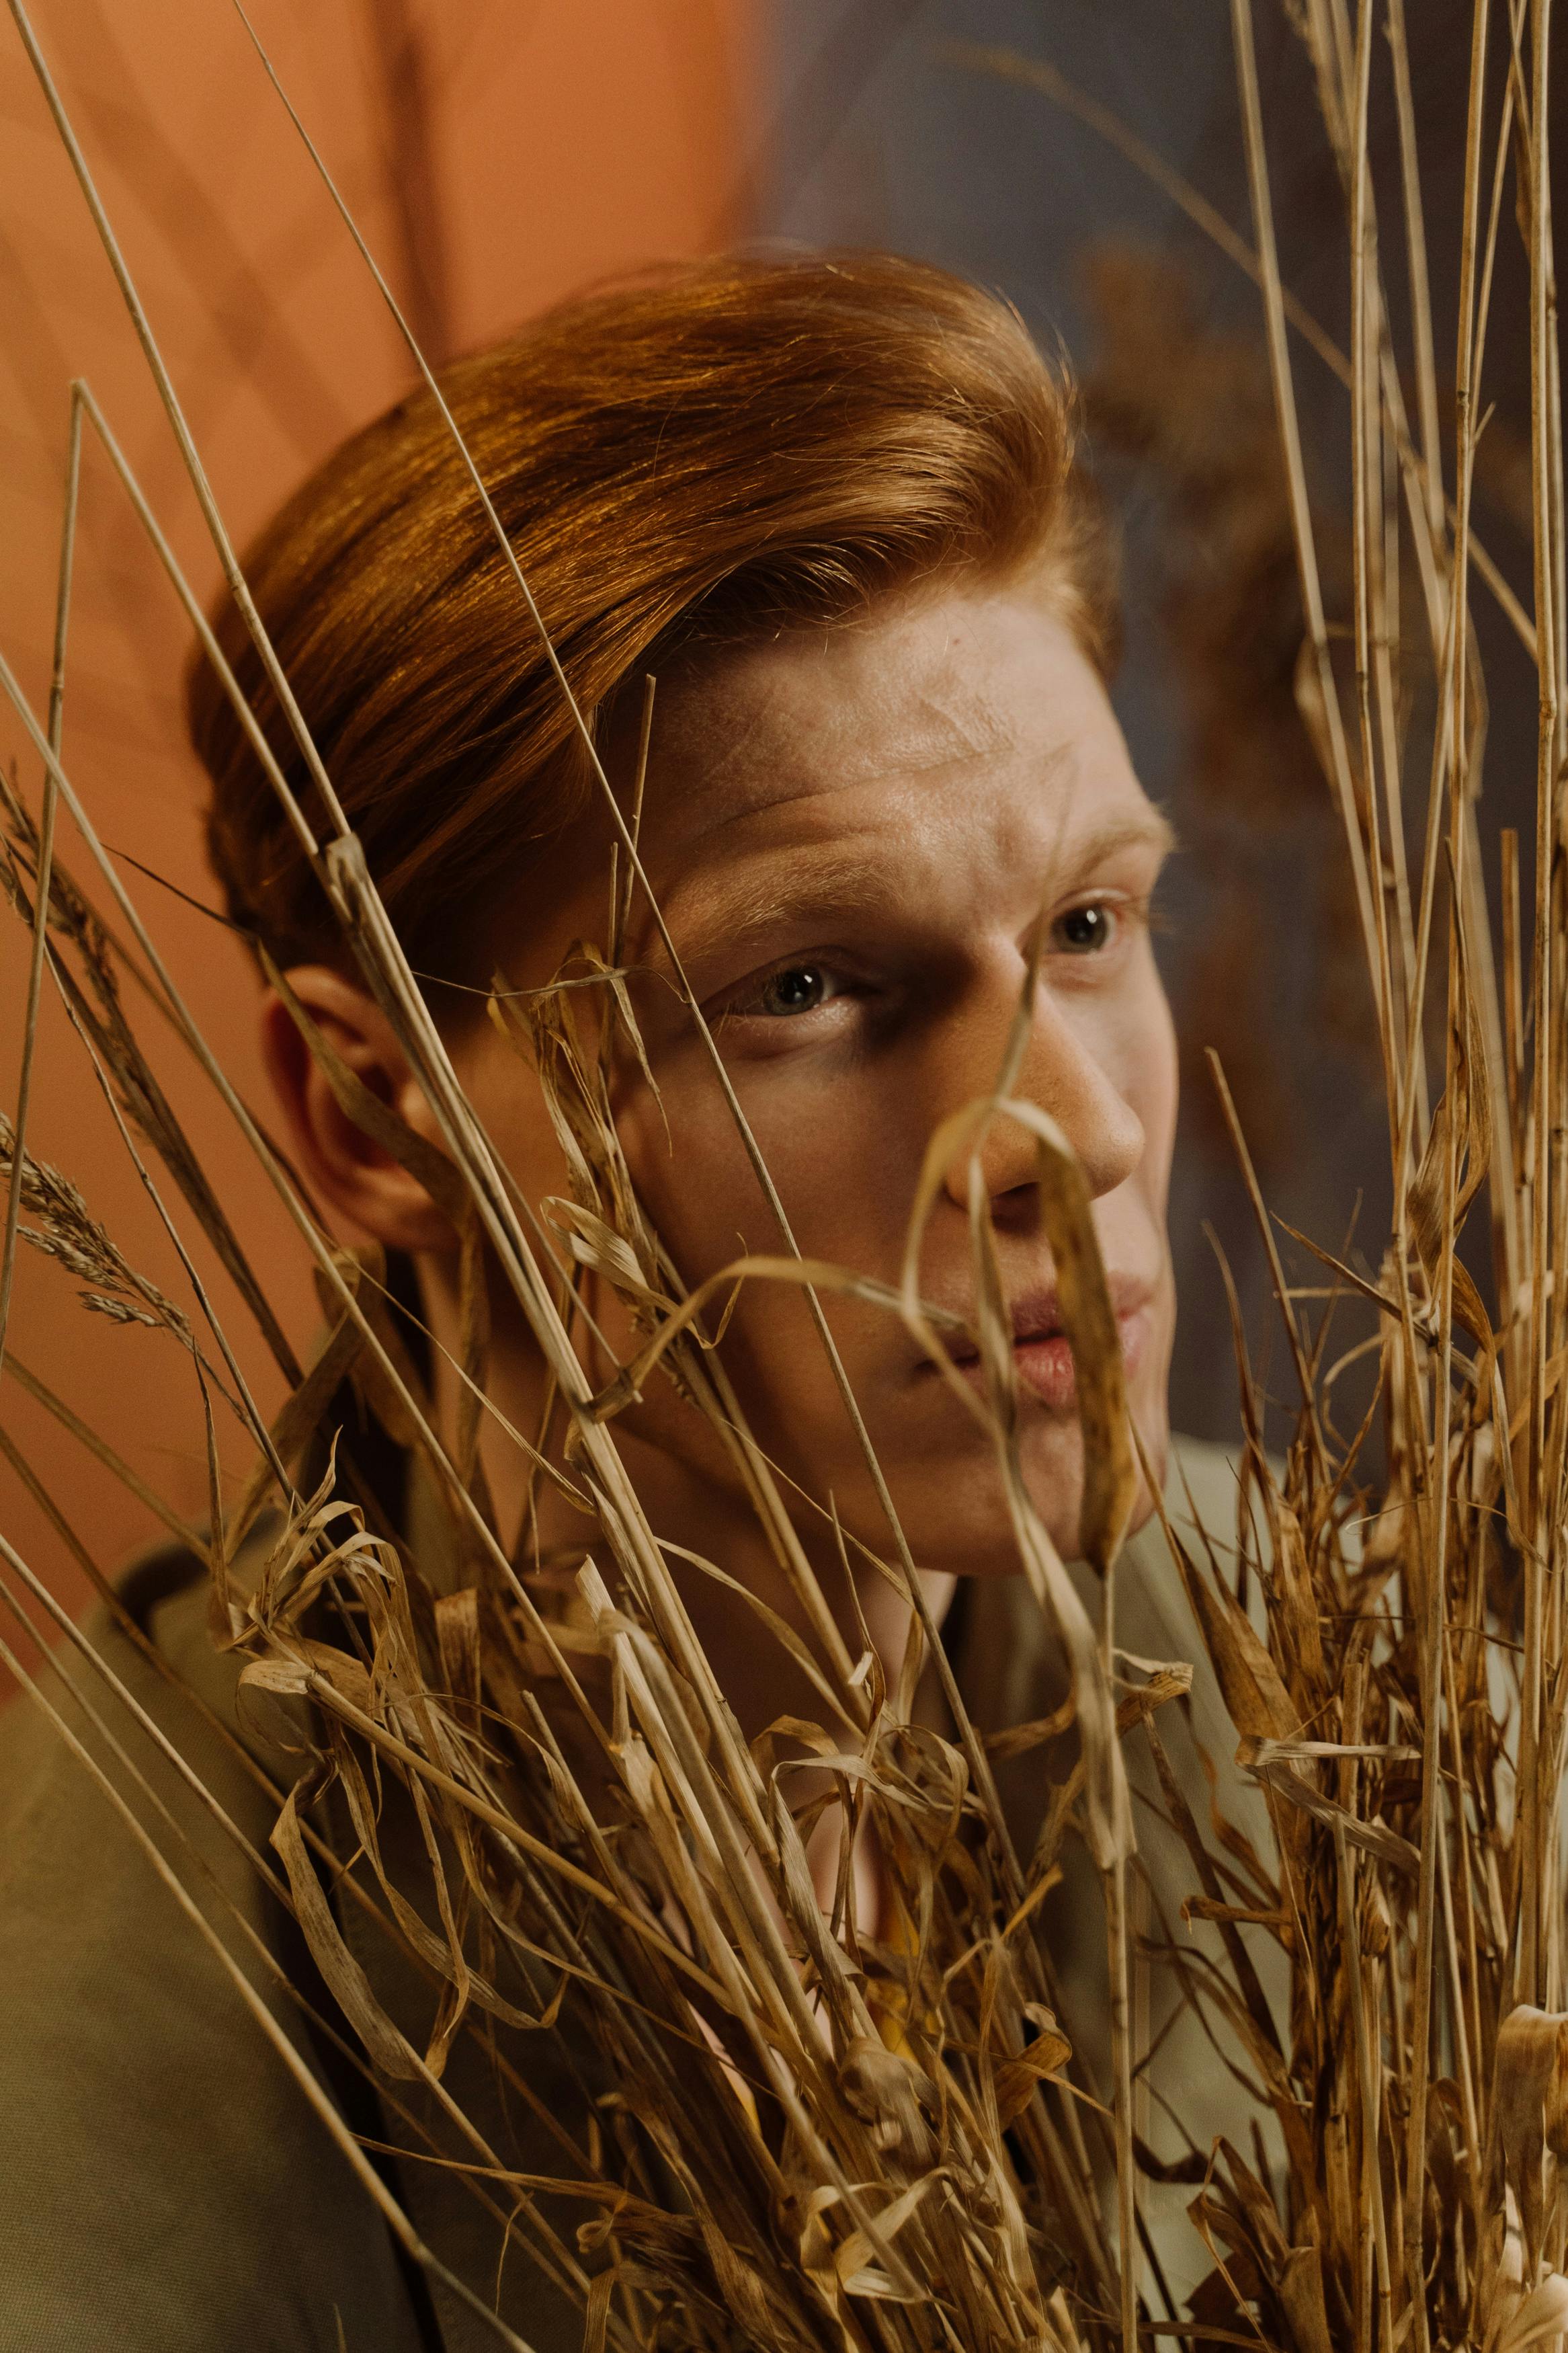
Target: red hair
column 702, row 457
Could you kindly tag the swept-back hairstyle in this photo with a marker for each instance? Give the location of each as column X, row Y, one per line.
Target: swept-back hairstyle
column 702, row 457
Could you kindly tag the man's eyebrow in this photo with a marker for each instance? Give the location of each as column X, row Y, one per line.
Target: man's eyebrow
column 756, row 902
column 1149, row 828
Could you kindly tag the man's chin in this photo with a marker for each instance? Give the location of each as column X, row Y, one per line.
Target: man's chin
column 1053, row 1470
column 964, row 1526
column 1153, row 1427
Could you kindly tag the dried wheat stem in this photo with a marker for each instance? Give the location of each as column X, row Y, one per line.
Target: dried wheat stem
column 1369, row 574
column 1419, row 279
column 1289, row 433
column 44, row 868
column 189, row 451
column 1539, row 1535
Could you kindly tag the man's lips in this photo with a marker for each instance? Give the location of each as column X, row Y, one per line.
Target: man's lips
column 1041, row 1352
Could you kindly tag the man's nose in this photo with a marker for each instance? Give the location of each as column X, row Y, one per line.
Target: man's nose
column 1062, row 1074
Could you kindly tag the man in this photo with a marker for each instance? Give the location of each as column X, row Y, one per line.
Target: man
column 829, row 504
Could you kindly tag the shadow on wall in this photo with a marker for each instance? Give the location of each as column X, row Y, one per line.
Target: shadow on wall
column 926, row 125
column 497, row 157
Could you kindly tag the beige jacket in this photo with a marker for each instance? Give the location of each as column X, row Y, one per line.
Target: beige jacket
column 165, row 2187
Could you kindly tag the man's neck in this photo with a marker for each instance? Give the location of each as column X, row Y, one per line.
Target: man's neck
column 732, row 1575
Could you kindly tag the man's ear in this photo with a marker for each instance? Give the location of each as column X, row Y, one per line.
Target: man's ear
column 357, row 1175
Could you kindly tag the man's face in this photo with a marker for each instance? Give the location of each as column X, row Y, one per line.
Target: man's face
column 851, row 835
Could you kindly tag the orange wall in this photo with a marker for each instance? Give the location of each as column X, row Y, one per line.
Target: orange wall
column 496, row 155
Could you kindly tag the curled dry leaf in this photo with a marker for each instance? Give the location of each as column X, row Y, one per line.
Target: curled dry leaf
column 1530, row 2099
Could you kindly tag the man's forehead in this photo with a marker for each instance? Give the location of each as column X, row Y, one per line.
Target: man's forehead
column 808, row 722
column 853, row 707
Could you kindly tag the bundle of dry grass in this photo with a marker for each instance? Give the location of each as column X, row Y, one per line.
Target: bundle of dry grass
column 815, row 2137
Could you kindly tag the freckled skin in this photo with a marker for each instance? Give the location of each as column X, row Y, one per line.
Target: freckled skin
column 851, row 834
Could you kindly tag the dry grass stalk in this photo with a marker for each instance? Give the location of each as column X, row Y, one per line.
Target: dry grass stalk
column 825, row 2141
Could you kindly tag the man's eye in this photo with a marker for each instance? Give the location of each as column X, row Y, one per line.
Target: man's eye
column 795, row 989
column 1085, row 931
